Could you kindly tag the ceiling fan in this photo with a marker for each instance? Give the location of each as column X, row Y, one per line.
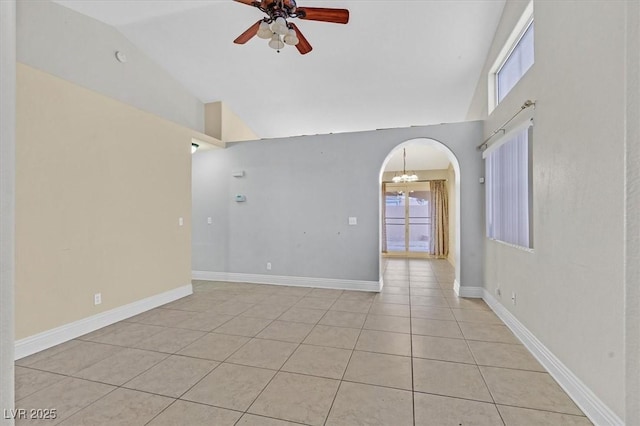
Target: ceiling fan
column 280, row 32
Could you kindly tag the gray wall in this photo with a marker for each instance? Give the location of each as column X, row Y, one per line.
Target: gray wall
column 7, row 202
column 81, row 50
column 570, row 288
column 632, row 261
column 300, row 192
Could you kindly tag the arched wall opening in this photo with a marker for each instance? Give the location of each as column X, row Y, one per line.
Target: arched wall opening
column 439, row 146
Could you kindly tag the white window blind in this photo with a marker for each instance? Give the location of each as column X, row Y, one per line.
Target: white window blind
column 516, row 65
column 508, row 190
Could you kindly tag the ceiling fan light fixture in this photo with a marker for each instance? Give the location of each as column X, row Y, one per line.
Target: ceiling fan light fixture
column 280, row 26
column 279, row 12
column 275, row 42
column 264, row 31
column 291, row 38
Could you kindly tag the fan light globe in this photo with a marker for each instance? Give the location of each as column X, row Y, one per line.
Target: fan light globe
column 280, row 26
column 276, row 43
column 264, row 31
column 291, row 38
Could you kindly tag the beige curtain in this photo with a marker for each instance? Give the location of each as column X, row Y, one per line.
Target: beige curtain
column 384, row 218
column 439, row 219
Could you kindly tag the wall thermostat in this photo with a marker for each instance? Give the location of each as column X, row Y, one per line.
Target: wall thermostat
column 240, row 198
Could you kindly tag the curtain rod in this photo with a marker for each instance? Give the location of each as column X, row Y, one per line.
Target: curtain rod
column 524, row 106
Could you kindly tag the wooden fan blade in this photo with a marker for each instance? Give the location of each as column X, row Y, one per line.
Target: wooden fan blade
column 248, row 35
column 248, row 2
column 303, row 45
column 338, row 16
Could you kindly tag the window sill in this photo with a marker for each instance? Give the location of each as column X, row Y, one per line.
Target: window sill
column 515, row 246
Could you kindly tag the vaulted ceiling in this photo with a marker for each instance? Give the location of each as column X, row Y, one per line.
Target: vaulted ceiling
column 395, row 64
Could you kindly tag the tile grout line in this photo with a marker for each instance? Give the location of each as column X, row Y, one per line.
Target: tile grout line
column 302, row 374
column 213, row 369
column 346, row 367
column 413, row 388
column 480, row 371
column 280, row 369
column 207, row 374
column 175, row 353
column 90, row 404
column 162, row 411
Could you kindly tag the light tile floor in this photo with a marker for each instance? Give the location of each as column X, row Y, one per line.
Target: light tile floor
column 249, row 354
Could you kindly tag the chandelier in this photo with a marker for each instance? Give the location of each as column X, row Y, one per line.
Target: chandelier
column 404, row 177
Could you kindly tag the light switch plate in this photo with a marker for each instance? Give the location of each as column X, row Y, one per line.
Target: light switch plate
column 353, row 220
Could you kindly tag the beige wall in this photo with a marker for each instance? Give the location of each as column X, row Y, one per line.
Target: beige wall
column 223, row 124
column 100, row 188
column 570, row 292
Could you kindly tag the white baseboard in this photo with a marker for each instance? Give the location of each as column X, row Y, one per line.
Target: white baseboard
column 465, row 291
column 46, row 339
column 287, row 280
column 596, row 410
column 471, row 292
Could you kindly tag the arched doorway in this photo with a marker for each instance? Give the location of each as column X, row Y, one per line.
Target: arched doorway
column 454, row 184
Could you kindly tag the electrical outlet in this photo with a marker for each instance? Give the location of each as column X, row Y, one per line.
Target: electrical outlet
column 97, row 298
column 209, row 220
column 268, row 266
column 513, row 297
column 180, row 221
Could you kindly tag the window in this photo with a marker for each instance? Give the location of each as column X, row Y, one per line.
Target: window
column 407, row 217
column 516, row 65
column 514, row 60
column 508, row 189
